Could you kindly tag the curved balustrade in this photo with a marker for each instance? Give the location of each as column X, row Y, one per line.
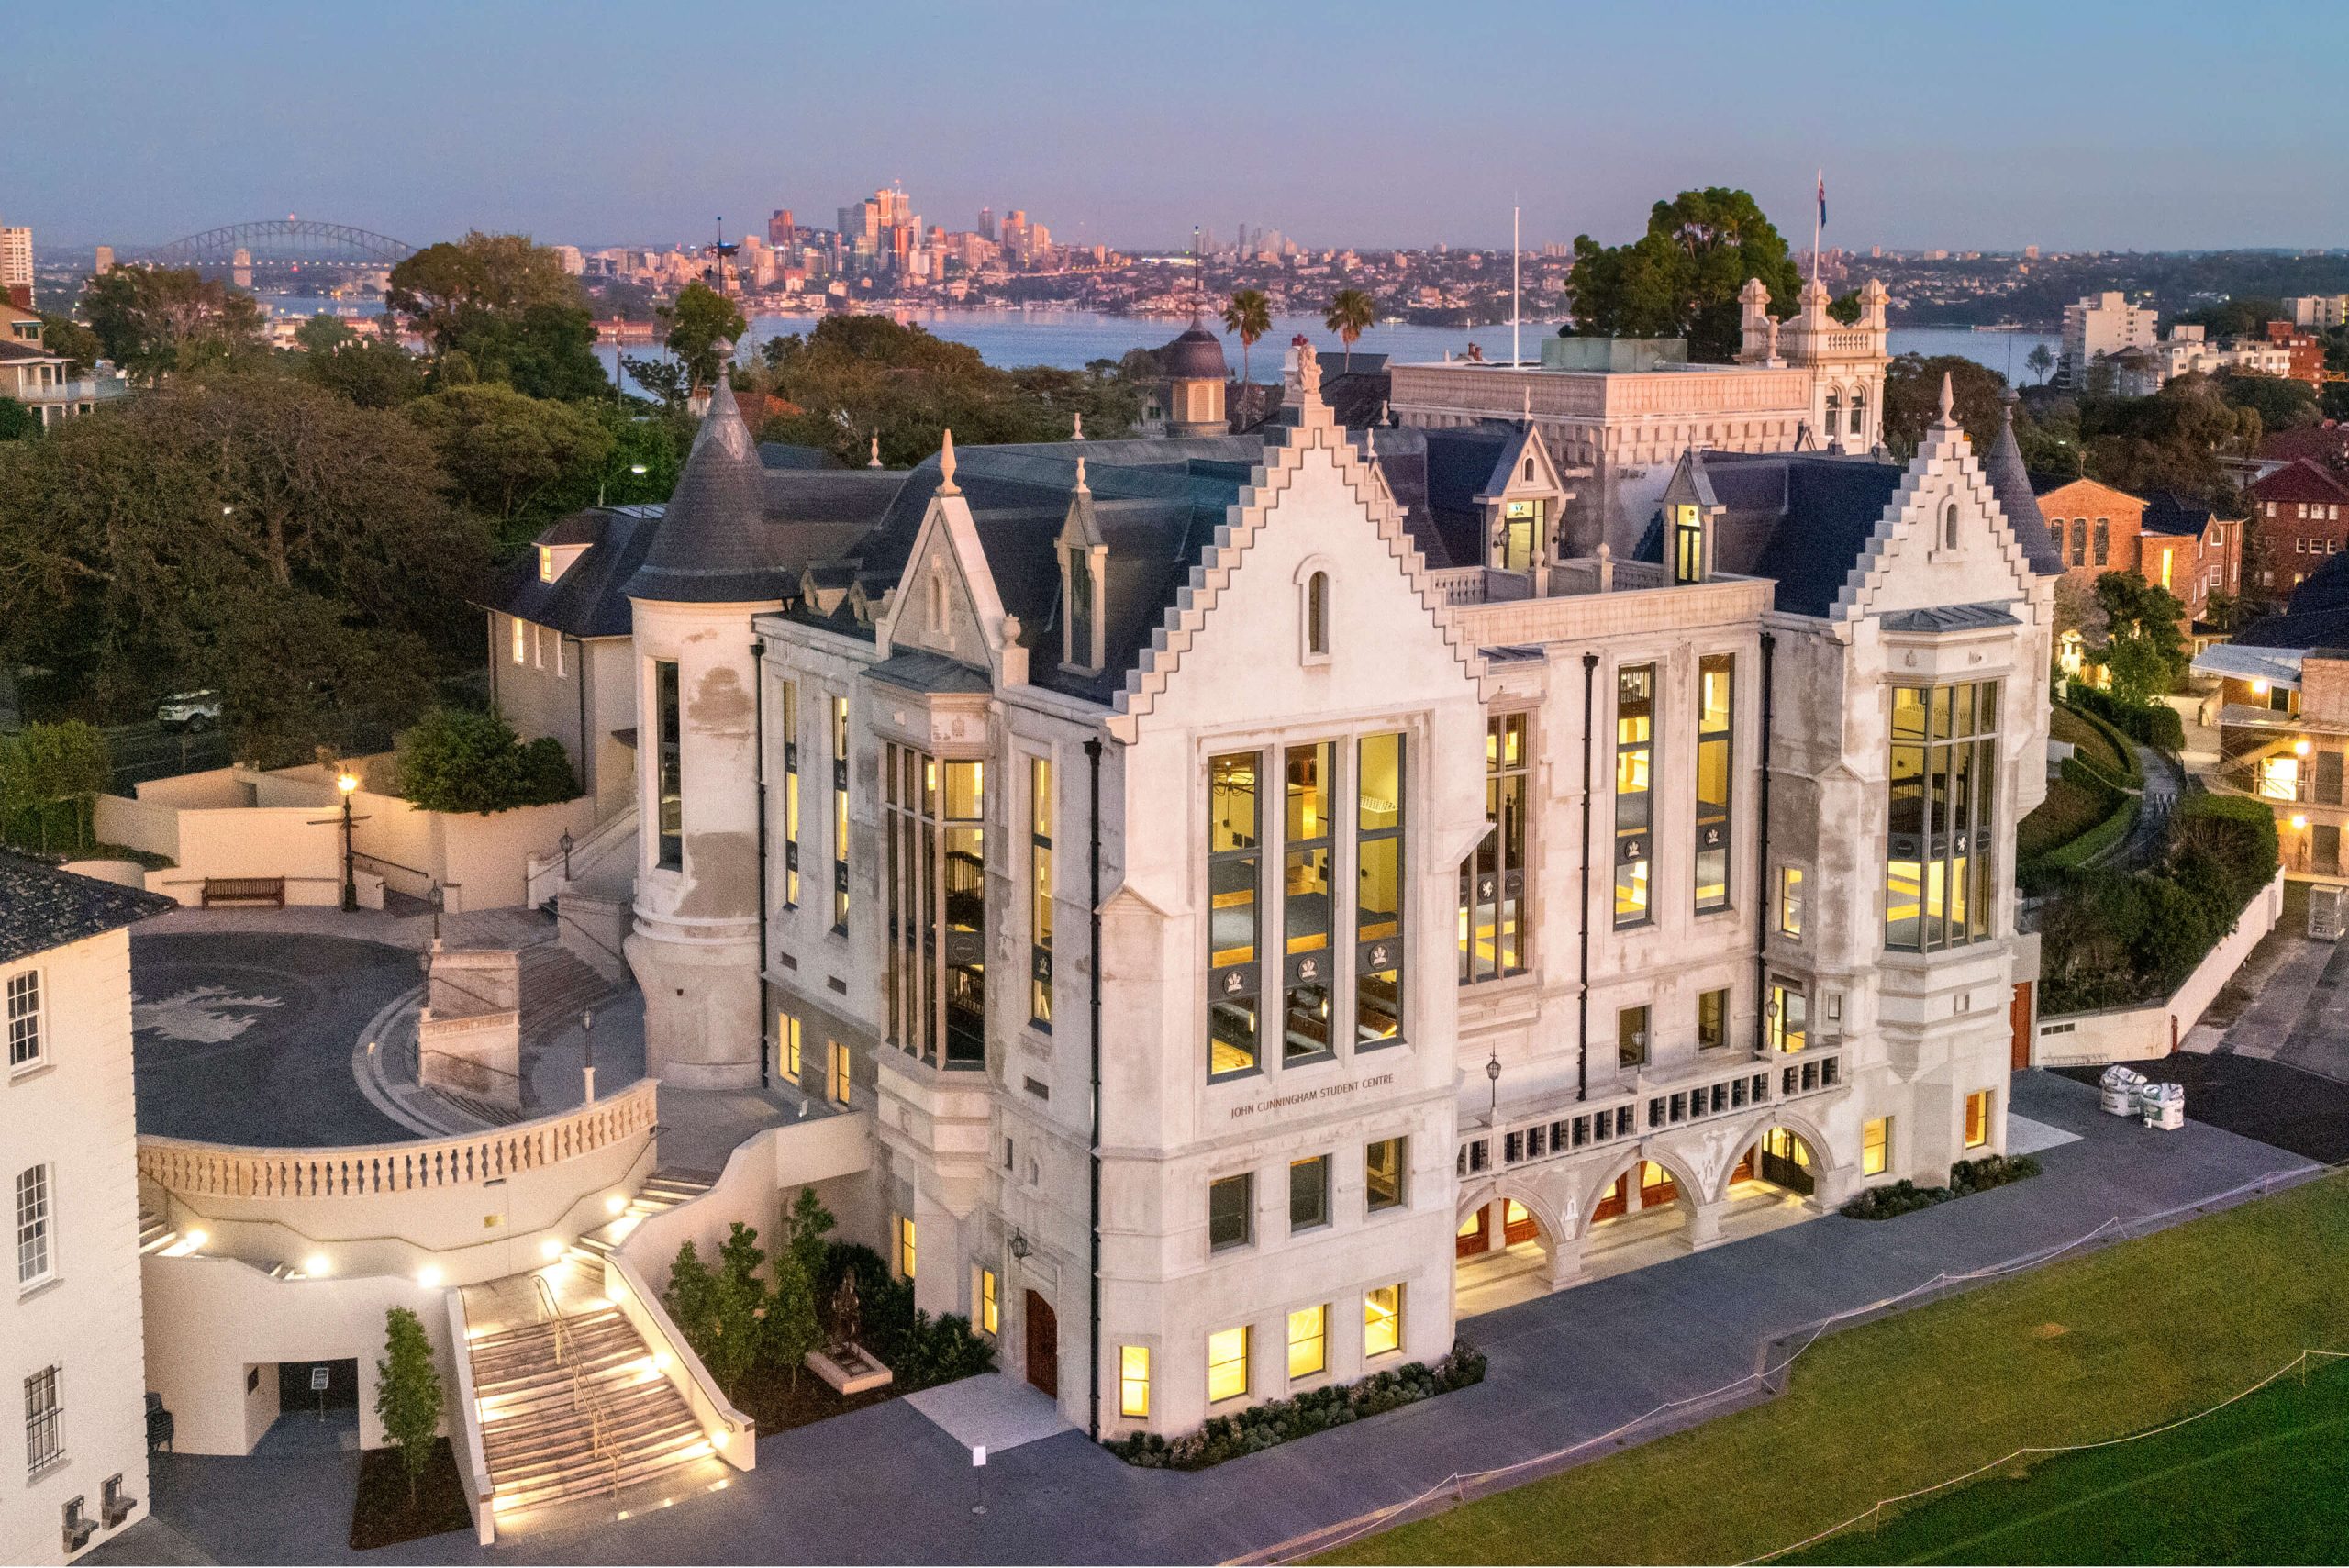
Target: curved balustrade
column 194, row 1169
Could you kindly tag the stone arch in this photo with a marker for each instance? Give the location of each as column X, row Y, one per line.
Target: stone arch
column 1537, row 1203
column 1692, row 1191
column 1803, row 1127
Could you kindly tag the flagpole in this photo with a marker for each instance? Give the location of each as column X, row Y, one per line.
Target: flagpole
column 1818, row 201
column 1514, row 314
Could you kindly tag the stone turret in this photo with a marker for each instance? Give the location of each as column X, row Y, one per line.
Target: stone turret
column 694, row 946
column 2010, row 483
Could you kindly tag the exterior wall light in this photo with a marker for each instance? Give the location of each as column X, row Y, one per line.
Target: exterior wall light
column 551, row 1249
column 316, row 1265
column 615, row 1204
column 429, row 1277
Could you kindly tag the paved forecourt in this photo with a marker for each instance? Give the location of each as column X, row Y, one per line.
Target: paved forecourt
column 889, row 1485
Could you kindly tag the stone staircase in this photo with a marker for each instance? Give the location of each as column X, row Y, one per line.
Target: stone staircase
column 556, row 988
column 155, row 1232
column 662, row 1189
column 574, row 1405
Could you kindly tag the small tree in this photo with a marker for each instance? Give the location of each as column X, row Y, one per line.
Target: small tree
column 793, row 1329
column 2040, row 361
column 691, row 1298
column 408, row 1393
column 56, row 764
column 454, row 760
column 806, row 1225
column 738, row 1303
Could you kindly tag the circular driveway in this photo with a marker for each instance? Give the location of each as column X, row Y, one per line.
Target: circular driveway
column 246, row 1037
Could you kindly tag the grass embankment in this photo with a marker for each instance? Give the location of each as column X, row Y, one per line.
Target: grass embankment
column 2091, row 740
column 2090, row 1349
column 2070, row 809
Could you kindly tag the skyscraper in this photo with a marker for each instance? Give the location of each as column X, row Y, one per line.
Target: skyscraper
column 986, row 223
column 780, row 229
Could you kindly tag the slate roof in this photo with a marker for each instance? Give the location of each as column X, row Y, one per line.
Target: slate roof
column 1798, row 518
column 918, row 670
column 42, row 908
column 2010, row 483
column 1951, row 618
column 12, row 350
column 2167, row 512
column 2316, row 615
column 784, row 455
column 709, row 547
column 590, row 599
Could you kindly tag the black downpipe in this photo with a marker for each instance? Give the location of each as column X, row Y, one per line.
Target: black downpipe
column 758, row 750
column 1762, row 867
column 1093, row 1034
column 579, row 674
column 1582, row 923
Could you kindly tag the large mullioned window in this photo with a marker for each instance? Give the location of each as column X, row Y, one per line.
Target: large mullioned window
column 1634, row 792
column 935, row 906
column 1942, row 817
column 1492, row 881
column 1321, row 809
column 1716, row 675
column 839, row 814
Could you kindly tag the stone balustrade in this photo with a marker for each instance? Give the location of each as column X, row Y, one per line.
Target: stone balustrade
column 189, row 1169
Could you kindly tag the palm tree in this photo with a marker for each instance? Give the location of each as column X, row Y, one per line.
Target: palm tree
column 1351, row 315
column 1250, row 314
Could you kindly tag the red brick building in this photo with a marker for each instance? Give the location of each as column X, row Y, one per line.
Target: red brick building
column 2302, row 513
column 2308, row 352
column 2171, row 542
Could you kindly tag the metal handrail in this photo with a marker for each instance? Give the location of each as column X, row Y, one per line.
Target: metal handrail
column 546, row 1299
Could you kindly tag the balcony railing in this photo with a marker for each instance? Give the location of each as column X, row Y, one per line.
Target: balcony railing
column 1731, row 1090
column 2262, row 785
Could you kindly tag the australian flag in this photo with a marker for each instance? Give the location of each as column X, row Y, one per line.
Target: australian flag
column 1822, row 198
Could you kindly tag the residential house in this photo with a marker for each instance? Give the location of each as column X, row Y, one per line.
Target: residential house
column 2302, row 513
column 2173, row 542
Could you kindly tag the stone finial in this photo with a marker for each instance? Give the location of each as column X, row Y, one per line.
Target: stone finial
column 875, row 460
column 1312, row 413
column 1949, row 402
column 946, row 465
column 1082, row 488
column 1077, row 433
column 1011, row 632
column 1528, row 390
column 1386, row 413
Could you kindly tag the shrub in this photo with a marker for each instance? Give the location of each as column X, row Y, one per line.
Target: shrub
column 1965, row 1178
column 458, row 761
column 944, row 1351
column 1282, row 1420
column 885, row 1304
column 2155, row 723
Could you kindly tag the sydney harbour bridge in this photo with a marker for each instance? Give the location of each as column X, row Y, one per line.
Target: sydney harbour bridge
column 281, row 253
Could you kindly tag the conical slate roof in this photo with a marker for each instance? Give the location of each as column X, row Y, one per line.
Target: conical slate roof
column 711, row 546
column 2011, row 485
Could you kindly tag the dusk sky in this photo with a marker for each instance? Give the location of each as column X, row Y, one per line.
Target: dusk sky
column 2147, row 125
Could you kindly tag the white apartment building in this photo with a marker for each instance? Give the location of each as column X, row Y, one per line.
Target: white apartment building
column 1272, row 905
column 2101, row 324
column 2318, row 310
column 74, row 1469
column 1616, row 416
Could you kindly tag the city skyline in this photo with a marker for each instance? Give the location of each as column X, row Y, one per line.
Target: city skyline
column 1212, row 126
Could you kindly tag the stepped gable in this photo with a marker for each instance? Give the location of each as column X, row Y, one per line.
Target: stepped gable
column 711, row 547
column 2010, row 483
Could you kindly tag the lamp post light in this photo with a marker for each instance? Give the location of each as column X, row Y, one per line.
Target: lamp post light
column 564, row 843
column 435, row 897
column 588, row 1057
column 347, row 784
column 1493, row 1076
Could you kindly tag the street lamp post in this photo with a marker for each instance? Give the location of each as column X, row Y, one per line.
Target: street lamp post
column 347, row 784
column 564, row 843
column 588, row 1057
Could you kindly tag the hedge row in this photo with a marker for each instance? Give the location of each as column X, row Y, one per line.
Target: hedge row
column 2157, row 724
column 1284, row 1420
column 1965, row 1178
column 2037, row 874
column 2133, row 775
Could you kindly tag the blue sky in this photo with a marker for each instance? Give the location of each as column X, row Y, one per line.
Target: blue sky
column 2063, row 123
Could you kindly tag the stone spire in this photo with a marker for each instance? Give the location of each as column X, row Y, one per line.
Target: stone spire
column 2010, row 483
column 946, row 485
column 710, row 545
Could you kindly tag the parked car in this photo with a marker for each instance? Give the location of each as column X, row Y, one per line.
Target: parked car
column 195, row 711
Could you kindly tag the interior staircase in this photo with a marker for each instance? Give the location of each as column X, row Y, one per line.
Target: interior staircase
column 572, row 1405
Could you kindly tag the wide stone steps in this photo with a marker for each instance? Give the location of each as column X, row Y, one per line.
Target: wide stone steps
column 557, row 987
column 588, row 1421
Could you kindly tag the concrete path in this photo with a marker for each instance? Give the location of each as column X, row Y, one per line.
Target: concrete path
column 991, row 1411
column 889, row 1485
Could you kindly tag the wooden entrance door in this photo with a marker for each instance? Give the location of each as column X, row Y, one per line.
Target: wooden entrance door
column 2019, row 1023
column 1476, row 1236
column 1043, row 1345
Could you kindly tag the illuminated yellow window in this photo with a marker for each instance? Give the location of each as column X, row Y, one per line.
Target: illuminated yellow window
column 1134, row 1380
column 1382, row 1320
column 1308, row 1339
column 1228, row 1364
column 905, row 1246
column 837, row 1054
column 1977, row 1118
column 2166, row 554
column 990, row 1313
column 546, row 564
column 1791, row 900
column 518, row 640
column 787, row 1034
column 1875, row 1144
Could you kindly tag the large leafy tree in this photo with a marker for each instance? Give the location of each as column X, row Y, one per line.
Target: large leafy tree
column 451, row 760
column 507, row 456
column 2281, row 403
column 255, row 534
column 1913, row 400
column 63, row 335
column 2144, row 649
column 508, row 307
column 859, row 376
column 156, row 321
column 2173, row 440
column 700, row 319
column 1681, row 278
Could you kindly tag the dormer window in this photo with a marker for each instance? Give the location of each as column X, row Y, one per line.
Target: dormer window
column 1080, row 645
column 546, row 564
column 1687, row 545
column 1520, row 538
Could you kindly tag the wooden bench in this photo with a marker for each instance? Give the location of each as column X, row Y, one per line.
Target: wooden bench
column 268, row 890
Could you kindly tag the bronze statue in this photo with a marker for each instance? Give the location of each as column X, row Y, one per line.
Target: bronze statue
column 844, row 1312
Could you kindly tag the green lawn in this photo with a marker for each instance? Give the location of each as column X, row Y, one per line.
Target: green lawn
column 2094, row 1347
column 2263, row 1481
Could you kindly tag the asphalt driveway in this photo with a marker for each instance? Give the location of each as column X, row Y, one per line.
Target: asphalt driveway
column 246, row 1038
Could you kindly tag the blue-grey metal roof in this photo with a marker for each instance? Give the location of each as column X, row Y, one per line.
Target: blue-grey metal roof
column 1951, row 618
